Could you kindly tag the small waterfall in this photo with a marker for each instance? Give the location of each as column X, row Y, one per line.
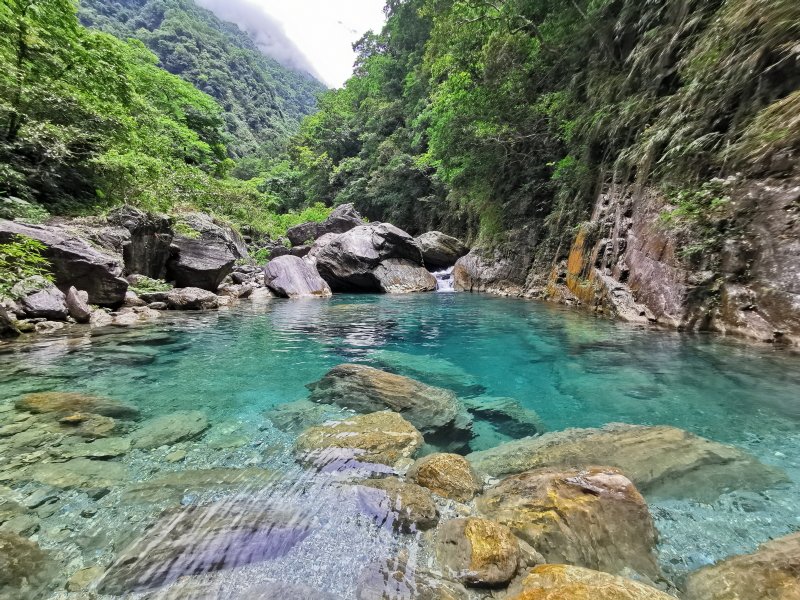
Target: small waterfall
column 444, row 280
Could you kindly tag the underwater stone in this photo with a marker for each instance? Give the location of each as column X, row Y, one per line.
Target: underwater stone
column 170, row 429
column 563, row 582
column 174, row 485
column 506, row 415
column 593, row 518
column 447, row 475
column 773, row 571
column 664, row 462
column 67, row 403
column 398, row 577
column 24, row 567
column 78, row 473
column 399, row 505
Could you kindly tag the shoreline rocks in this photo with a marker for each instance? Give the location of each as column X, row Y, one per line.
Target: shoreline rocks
column 341, row 220
column 292, row 277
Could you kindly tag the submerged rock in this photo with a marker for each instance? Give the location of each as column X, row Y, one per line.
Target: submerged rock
column 447, row 475
column 398, row 578
column 773, row 571
column 66, row 403
column 292, row 277
column 202, row 539
column 78, row 473
column 429, row 369
column 434, row 411
column 563, row 582
column 593, row 518
column 174, row 485
column 506, row 415
column 25, row 570
column 398, row 505
column 356, row 261
column 295, row 417
column 477, row 552
column 170, row 429
column 440, row 250
column 664, row 462
column 381, row 437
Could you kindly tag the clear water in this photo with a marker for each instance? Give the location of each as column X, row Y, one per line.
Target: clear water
column 572, row 369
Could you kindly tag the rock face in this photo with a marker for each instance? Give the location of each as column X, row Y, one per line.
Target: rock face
column 342, row 219
column 24, row 567
column 447, row 475
column 148, row 249
column 664, row 462
column 501, row 271
column 477, row 552
column 292, row 277
column 398, row 505
column 205, row 259
column 562, row 582
column 48, row 303
column 75, row 262
column 191, row 299
column 202, row 539
column 434, row 411
column 78, row 305
column 591, row 518
column 382, row 438
column 170, row 429
column 373, row 258
column 771, row 572
column 440, row 250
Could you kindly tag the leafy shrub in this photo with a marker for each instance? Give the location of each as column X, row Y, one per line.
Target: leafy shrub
column 145, row 285
column 20, row 259
column 15, row 209
column 182, row 228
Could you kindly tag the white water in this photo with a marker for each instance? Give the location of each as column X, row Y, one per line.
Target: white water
column 444, row 280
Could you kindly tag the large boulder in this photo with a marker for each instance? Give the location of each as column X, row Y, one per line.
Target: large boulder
column 436, row 412
column 379, row 438
column 74, row 262
column 773, row 571
column 203, row 258
column 563, row 582
column 78, row 305
column 373, row 258
column 594, row 518
column 147, row 250
column 47, row 303
column 191, row 298
column 664, row 462
column 342, row 219
column 477, row 552
column 440, row 250
column 293, row 277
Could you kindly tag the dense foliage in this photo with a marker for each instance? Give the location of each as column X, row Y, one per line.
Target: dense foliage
column 21, row 259
column 480, row 116
column 263, row 101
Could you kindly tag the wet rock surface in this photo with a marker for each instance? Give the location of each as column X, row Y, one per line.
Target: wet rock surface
column 592, row 518
column 398, row 577
column 661, row 461
column 70, row 403
column 292, row 277
column 398, row 505
column 447, row 475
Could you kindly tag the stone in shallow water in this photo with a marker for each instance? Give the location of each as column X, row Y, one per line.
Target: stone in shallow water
column 64, row 403
column 436, row 412
column 202, row 539
column 102, row 448
column 773, row 571
column 294, row 417
column 562, row 582
column 78, row 473
column 25, row 569
column 403, row 506
column 431, row 369
column 174, row 485
column 506, row 415
column 591, row 518
column 664, row 462
column 478, row 552
column 382, row 438
column 170, row 429
column 447, row 475
column 398, row 578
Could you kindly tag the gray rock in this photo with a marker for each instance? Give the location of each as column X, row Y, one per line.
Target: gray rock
column 75, row 262
column 440, row 250
column 292, row 277
column 79, row 473
column 170, row 429
column 147, row 250
column 78, row 305
column 354, row 261
column 205, row 260
column 342, row 219
column 191, row 299
column 8, row 327
column 48, row 303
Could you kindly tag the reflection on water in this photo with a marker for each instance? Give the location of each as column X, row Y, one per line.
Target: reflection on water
column 155, row 516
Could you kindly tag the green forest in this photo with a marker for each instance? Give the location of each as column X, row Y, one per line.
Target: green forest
column 472, row 116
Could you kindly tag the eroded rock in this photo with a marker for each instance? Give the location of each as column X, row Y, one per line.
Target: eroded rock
column 399, row 578
column 78, row 473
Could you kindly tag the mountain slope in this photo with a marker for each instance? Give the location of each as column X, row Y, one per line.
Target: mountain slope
column 263, row 101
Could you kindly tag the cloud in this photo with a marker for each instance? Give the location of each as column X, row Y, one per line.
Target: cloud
column 268, row 33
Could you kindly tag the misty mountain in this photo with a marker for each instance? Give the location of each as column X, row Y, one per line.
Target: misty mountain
column 263, row 100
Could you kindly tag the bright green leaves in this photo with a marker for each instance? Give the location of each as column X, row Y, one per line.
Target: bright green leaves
column 20, row 259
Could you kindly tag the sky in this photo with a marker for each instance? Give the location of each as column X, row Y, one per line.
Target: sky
column 309, row 35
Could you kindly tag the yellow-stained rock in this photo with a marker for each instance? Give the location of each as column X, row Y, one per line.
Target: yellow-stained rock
column 447, row 475
column 477, row 552
column 562, row 582
column 772, row 572
column 67, row 403
column 381, row 437
column 593, row 518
